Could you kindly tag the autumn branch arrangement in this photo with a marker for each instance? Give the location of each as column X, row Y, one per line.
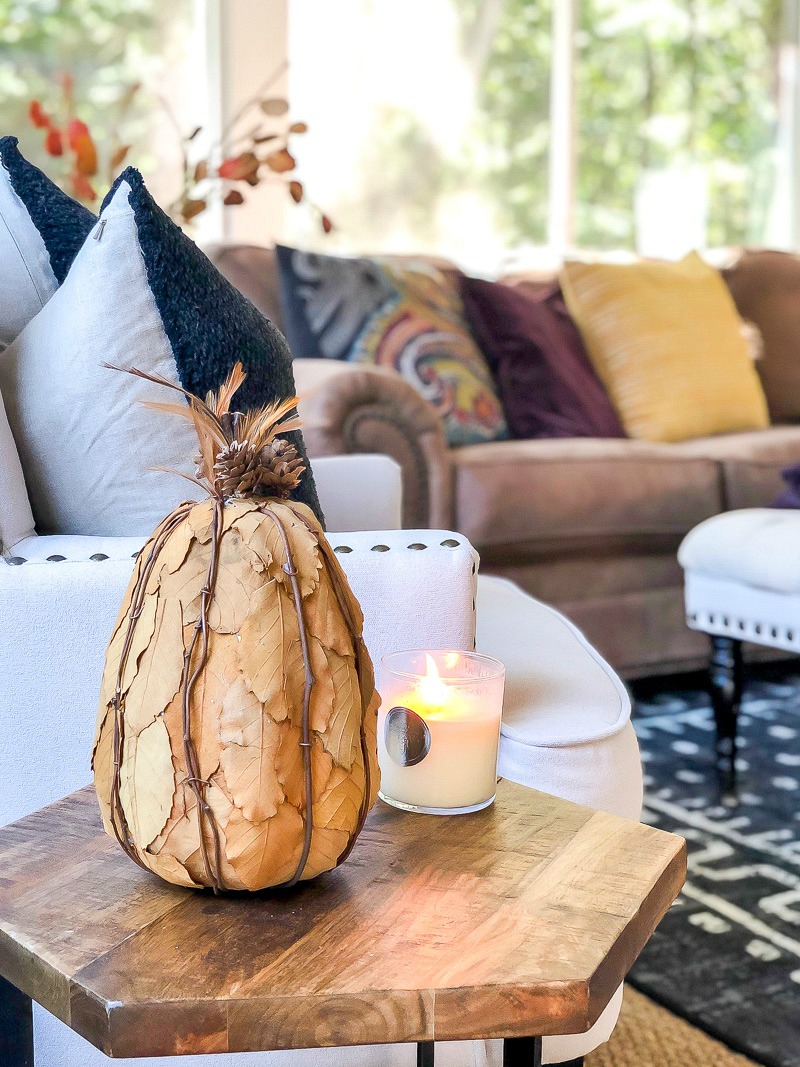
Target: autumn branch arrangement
column 68, row 138
column 224, row 168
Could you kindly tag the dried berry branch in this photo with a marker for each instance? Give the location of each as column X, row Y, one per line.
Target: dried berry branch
column 68, row 138
column 258, row 155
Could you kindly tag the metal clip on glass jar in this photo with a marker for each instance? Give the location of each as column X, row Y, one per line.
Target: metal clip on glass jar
column 438, row 730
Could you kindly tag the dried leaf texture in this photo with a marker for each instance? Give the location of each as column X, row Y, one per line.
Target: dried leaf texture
column 246, row 704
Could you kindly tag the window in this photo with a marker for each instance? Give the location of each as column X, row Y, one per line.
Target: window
column 105, row 47
column 475, row 129
column 428, row 122
column 471, row 127
column 677, row 112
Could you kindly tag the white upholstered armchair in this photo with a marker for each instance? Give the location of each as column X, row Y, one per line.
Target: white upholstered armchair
column 566, row 723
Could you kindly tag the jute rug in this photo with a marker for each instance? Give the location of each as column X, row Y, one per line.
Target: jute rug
column 650, row 1036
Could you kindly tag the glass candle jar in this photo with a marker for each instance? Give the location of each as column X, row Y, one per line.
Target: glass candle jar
column 438, row 730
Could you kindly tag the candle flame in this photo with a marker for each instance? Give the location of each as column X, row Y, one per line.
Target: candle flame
column 432, row 689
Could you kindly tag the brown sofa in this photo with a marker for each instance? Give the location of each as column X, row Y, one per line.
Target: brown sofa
column 588, row 525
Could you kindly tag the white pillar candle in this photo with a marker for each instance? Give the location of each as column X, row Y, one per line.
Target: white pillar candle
column 438, row 730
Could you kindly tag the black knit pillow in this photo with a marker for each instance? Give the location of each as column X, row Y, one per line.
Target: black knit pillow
column 209, row 323
column 41, row 231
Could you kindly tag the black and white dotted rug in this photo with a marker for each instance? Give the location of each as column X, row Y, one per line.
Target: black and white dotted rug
column 727, row 955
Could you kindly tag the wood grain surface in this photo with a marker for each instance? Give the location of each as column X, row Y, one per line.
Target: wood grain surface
column 518, row 920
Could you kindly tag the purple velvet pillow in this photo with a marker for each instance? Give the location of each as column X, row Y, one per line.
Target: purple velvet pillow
column 545, row 380
column 790, row 497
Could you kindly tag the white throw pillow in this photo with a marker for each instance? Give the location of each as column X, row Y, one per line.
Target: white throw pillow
column 41, row 230
column 84, row 441
column 16, row 519
column 139, row 294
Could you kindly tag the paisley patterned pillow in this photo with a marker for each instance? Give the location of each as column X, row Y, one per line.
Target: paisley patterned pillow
column 391, row 313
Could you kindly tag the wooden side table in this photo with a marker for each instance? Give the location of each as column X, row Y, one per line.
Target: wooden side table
column 515, row 922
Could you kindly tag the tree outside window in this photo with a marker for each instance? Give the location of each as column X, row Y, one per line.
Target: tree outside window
column 105, row 47
column 445, row 107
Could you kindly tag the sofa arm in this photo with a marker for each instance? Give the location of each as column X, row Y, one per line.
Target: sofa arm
column 353, row 408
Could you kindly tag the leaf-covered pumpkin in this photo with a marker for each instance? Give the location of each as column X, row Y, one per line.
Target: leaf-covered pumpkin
column 236, row 735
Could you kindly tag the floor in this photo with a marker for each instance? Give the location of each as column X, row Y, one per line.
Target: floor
column 649, row 1036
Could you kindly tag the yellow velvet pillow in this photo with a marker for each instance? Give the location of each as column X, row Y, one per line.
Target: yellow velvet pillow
column 667, row 342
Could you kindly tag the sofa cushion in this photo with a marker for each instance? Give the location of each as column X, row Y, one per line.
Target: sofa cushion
column 546, row 383
column 560, row 579
column 750, row 463
column 667, row 341
column 536, row 497
column 789, row 497
column 404, row 315
column 139, row 294
column 41, row 230
column 16, row 518
column 765, row 286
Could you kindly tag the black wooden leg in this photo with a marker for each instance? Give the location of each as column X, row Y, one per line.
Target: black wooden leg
column 726, row 680
column 16, row 1027
column 522, row 1052
column 425, row 1053
column 569, row 1063
column 517, row 1052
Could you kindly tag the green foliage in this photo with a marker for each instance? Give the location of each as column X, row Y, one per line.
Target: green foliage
column 104, row 44
column 513, row 118
column 660, row 84
column 684, row 81
column 411, row 174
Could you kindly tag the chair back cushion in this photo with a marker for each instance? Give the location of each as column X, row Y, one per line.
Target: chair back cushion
column 359, row 491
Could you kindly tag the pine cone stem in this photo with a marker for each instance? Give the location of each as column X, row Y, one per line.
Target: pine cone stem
column 240, row 470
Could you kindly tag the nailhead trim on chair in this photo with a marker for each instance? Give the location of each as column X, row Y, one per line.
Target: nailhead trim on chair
column 415, row 546
column 99, row 557
column 17, row 561
column 741, row 629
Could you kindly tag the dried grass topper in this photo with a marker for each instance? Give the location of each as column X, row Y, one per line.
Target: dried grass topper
column 235, row 744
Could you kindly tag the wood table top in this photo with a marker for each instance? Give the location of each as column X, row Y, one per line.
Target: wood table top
column 518, row 920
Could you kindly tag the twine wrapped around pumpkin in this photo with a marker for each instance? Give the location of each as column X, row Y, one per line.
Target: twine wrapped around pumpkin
column 236, row 735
